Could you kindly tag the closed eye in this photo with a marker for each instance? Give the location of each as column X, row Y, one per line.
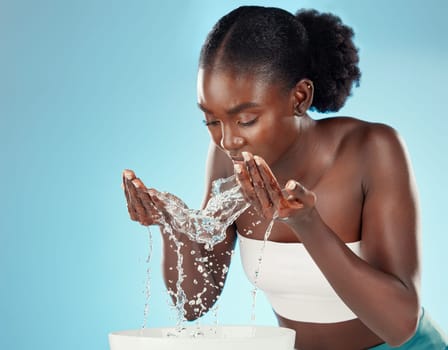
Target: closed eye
column 247, row 123
column 210, row 122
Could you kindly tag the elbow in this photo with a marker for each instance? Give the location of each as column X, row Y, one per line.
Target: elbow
column 191, row 316
column 403, row 321
column 194, row 314
column 193, row 311
column 405, row 330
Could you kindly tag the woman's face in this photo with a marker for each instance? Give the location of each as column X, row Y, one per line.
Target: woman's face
column 244, row 113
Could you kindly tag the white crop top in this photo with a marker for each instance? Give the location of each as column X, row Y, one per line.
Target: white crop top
column 292, row 282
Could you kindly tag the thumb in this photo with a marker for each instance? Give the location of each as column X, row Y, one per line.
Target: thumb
column 297, row 193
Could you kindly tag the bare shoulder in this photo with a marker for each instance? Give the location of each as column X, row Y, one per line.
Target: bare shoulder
column 374, row 151
column 353, row 128
column 363, row 138
column 381, row 148
column 378, row 137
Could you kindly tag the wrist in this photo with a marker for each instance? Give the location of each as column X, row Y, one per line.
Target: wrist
column 304, row 223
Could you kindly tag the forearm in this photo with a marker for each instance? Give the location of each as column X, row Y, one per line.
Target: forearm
column 382, row 301
column 200, row 274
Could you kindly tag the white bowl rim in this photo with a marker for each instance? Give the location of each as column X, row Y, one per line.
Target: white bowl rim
column 280, row 332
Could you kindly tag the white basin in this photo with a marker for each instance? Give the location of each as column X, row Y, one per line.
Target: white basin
column 209, row 338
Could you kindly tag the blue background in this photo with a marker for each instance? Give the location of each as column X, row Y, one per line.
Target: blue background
column 88, row 88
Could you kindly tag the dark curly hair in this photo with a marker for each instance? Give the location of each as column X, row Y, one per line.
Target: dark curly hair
column 284, row 48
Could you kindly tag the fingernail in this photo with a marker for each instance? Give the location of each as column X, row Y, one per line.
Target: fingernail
column 128, row 176
column 291, row 185
column 257, row 160
column 136, row 184
column 246, row 156
column 237, row 168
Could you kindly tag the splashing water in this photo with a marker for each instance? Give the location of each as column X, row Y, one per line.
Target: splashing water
column 207, row 226
column 180, row 295
column 147, row 290
column 258, row 270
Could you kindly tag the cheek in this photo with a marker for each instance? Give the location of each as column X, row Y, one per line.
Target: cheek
column 261, row 134
column 267, row 141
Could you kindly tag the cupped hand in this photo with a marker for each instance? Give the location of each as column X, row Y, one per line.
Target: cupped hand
column 261, row 188
column 142, row 202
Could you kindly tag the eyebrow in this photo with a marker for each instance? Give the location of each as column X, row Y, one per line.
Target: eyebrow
column 234, row 110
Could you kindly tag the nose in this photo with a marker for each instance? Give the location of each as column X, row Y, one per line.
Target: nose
column 229, row 140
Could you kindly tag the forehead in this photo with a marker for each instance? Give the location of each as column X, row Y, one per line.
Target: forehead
column 226, row 88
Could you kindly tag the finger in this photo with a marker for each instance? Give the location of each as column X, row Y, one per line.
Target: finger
column 128, row 176
column 129, row 192
column 135, row 203
column 258, row 184
column 140, row 205
column 158, row 199
column 272, row 186
column 145, row 207
column 129, row 173
column 246, row 185
column 298, row 195
column 152, row 211
column 152, row 214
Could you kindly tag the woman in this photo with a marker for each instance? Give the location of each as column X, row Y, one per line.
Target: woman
column 341, row 265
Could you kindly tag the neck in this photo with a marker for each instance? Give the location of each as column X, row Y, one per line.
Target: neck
column 302, row 145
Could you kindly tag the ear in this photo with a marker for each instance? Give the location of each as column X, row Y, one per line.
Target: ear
column 303, row 96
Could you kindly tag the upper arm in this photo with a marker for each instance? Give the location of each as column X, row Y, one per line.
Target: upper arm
column 390, row 223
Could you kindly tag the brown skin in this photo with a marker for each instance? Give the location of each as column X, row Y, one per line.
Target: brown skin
column 332, row 181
